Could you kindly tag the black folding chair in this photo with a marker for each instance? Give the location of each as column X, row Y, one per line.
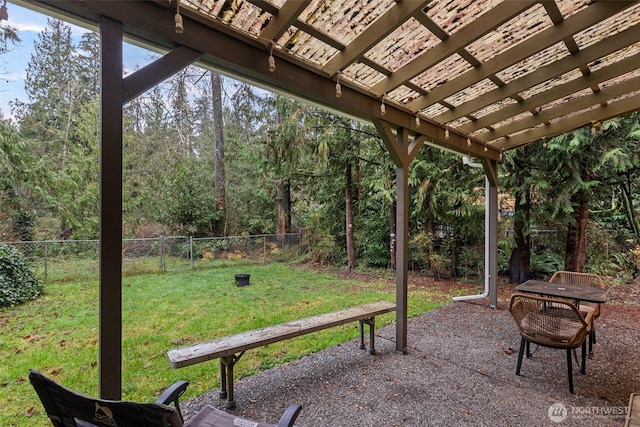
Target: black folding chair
column 67, row 408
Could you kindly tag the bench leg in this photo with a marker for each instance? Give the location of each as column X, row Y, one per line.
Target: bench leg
column 223, row 380
column 372, row 329
column 226, row 379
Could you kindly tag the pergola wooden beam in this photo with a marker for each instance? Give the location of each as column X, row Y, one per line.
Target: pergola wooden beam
column 592, row 53
column 159, row 70
column 566, row 124
column 452, row 44
column 601, row 97
column 535, row 102
column 403, row 151
column 581, row 20
column 381, row 28
column 287, row 15
column 301, row 25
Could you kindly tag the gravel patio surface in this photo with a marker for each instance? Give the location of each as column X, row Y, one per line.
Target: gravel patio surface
column 459, row 370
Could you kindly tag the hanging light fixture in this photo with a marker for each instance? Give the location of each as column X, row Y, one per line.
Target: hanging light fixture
column 446, row 134
column 468, row 142
column 178, row 19
column 383, row 109
column 338, row 87
column 272, row 61
column 417, row 120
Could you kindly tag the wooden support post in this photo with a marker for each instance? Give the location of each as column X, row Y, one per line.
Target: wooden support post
column 491, row 232
column 402, row 245
column 110, row 323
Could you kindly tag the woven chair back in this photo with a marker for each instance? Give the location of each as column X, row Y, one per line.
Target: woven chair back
column 581, row 279
column 578, row 279
column 550, row 322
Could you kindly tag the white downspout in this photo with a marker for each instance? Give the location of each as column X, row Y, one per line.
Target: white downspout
column 467, row 161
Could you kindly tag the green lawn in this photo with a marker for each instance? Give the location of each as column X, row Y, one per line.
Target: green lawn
column 58, row 333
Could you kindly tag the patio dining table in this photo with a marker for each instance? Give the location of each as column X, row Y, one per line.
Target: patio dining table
column 563, row 290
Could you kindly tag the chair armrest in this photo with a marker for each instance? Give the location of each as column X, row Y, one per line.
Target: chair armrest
column 289, row 416
column 588, row 316
column 172, row 394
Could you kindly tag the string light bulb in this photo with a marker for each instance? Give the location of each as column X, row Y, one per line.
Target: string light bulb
column 446, row 134
column 338, row 87
column 485, row 149
column 383, row 109
column 417, row 120
column 272, row 60
column 4, row 14
column 468, row 142
column 178, row 19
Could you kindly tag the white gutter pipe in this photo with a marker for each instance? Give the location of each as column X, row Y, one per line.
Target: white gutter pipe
column 467, row 161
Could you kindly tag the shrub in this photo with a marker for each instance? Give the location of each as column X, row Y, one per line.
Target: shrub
column 17, row 282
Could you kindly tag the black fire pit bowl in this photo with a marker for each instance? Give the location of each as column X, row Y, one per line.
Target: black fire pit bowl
column 242, row 279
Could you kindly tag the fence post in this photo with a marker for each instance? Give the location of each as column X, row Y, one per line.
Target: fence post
column 191, row 251
column 46, row 261
column 300, row 236
column 264, row 250
column 161, row 252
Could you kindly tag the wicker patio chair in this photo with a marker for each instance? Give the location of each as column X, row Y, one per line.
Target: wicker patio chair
column 550, row 322
column 67, row 408
column 583, row 279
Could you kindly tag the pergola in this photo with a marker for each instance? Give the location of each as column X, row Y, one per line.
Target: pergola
column 476, row 77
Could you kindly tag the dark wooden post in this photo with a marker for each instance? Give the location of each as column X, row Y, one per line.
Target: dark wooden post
column 110, row 335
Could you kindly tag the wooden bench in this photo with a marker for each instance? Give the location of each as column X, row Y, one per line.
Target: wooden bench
column 231, row 348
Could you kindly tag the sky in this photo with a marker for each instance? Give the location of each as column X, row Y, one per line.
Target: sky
column 13, row 64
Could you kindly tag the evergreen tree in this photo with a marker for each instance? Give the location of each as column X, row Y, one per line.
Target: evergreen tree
column 52, row 89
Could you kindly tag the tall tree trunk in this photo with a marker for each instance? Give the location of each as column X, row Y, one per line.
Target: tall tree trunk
column 627, row 197
column 520, row 260
column 455, row 255
column 284, row 210
column 218, row 143
column 576, row 248
column 358, row 191
column 351, row 253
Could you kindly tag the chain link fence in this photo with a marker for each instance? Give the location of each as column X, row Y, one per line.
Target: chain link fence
column 73, row 259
